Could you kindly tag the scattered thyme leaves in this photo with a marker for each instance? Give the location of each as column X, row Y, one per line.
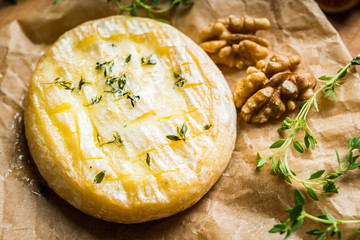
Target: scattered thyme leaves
column 81, row 83
column 150, row 60
column 179, row 80
column 117, row 84
column 181, row 133
column 94, row 100
column 300, row 123
column 207, row 127
column 107, row 67
column 99, row 177
column 133, row 98
column 150, row 7
column 297, row 214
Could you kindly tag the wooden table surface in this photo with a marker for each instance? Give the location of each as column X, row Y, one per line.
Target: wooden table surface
column 347, row 24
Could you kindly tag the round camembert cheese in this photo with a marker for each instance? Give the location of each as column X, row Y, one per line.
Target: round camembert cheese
column 129, row 120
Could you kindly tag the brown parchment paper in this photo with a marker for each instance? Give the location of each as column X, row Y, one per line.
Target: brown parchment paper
column 245, row 203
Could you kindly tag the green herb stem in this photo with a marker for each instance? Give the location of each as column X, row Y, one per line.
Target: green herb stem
column 329, row 222
column 299, row 123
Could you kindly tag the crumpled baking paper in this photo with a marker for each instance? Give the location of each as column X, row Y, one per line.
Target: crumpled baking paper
column 245, row 203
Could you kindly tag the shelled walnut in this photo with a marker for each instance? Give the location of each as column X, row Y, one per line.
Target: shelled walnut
column 232, row 42
column 270, row 88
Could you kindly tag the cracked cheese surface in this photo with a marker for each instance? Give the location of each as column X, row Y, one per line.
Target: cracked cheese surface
column 72, row 140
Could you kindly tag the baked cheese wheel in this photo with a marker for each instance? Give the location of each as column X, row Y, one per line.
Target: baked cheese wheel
column 129, row 120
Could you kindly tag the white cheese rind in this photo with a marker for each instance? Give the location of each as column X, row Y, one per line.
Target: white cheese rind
column 63, row 131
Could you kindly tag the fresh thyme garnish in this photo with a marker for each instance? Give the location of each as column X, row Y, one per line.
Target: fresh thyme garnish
column 65, row 84
column 148, row 159
column 180, row 133
column 180, row 80
column 106, row 66
column 119, row 88
column 299, row 123
column 150, row 60
column 94, row 101
column 297, row 215
column 99, row 177
column 121, row 82
column 133, row 98
column 207, row 126
column 150, row 7
column 81, row 83
column 128, row 58
column 117, row 139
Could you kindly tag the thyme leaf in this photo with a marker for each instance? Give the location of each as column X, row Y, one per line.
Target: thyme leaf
column 148, row 159
column 99, row 177
column 128, row 58
column 207, row 127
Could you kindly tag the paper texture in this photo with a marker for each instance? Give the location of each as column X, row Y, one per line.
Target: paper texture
column 245, row 203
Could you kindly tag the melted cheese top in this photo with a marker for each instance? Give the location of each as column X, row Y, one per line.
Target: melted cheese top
column 77, row 130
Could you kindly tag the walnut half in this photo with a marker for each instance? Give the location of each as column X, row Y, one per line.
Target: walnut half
column 232, row 42
column 268, row 90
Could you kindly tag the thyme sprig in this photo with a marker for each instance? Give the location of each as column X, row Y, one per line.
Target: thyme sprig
column 117, row 84
column 297, row 215
column 179, row 80
column 65, row 84
column 295, row 125
column 107, row 67
column 181, row 131
column 116, row 140
column 94, row 100
column 132, row 97
column 150, row 6
column 150, row 60
column 81, row 83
